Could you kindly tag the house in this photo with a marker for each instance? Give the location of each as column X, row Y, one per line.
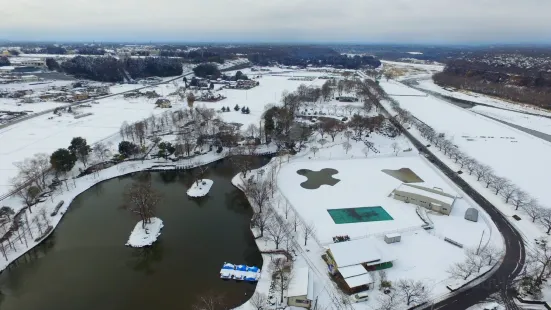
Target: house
column 353, row 259
column 6, row 69
column 430, row 198
column 301, row 288
column 77, row 96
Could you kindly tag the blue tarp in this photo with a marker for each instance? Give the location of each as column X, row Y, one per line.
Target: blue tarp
column 253, row 269
column 241, row 268
column 228, row 266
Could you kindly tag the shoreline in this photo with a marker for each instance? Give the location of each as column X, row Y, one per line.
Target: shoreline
column 84, row 183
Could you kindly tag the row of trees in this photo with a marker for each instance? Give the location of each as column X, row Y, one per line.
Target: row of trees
column 110, row 69
column 538, row 261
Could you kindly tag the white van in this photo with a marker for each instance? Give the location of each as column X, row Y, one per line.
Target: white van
column 360, row 297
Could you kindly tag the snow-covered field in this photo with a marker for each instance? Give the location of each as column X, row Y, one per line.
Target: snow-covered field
column 44, row 135
column 144, row 235
column 429, row 84
column 362, row 184
column 490, row 142
column 422, row 255
column 537, row 123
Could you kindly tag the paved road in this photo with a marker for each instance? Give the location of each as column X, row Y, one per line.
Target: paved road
column 513, row 262
column 30, row 116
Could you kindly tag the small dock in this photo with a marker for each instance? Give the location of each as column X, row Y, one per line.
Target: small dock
column 240, row 272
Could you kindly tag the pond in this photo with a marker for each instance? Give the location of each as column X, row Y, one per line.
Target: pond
column 85, row 264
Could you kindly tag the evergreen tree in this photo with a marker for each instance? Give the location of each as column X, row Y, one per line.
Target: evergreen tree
column 62, row 160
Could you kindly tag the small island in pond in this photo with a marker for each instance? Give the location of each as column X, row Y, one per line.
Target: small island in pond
column 200, row 188
column 145, row 234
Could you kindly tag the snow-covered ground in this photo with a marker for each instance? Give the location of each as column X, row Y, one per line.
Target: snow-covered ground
column 145, row 235
column 429, row 84
column 45, row 135
column 200, row 189
column 537, row 123
column 490, row 142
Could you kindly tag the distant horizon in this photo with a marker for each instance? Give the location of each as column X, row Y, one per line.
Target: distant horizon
column 267, row 42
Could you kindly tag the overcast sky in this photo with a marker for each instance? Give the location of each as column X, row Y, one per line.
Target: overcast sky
column 365, row 21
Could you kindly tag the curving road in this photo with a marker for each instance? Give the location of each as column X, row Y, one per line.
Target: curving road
column 500, row 281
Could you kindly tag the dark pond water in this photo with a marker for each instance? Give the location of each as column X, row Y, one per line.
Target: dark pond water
column 315, row 179
column 85, row 264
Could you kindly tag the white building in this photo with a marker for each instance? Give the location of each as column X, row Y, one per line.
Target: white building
column 28, row 62
column 352, row 259
column 301, row 288
column 430, row 198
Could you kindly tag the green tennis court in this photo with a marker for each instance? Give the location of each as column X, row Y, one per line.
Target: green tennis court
column 358, row 215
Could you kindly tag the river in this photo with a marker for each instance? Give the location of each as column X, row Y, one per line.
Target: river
column 86, row 265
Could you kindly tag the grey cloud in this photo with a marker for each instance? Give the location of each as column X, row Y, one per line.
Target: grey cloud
column 275, row 20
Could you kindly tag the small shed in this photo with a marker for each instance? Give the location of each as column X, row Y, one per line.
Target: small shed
column 301, row 289
column 471, row 214
column 393, row 238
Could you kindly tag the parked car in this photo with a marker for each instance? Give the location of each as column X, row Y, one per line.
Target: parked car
column 360, row 297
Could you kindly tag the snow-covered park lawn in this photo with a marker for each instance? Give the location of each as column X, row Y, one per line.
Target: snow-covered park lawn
column 421, row 255
column 200, row 189
column 144, row 235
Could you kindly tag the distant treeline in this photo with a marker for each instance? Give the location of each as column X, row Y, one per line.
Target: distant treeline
column 110, row 69
column 530, row 85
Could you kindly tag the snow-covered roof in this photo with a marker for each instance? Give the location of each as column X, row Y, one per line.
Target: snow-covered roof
column 394, row 235
column 420, row 191
column 366, row 250
column 351, row 271
column 7, row 68
column 358, row 280
column 299, row 282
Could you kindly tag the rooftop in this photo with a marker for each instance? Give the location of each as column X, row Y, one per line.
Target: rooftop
column 300, row 282
column 424, row 191
column 358, row 280
column 366, row 250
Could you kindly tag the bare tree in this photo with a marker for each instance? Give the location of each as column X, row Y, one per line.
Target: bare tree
column 295, row 222
column 27, row 193
column 322, row 142
column 387, row 301
column 190, row 100
column 308, row 230
column 489, row 179
column 259, row 192
column 282, row 269
column 366, row 150
column 242, row 162
column 412, row 291
column 252, row 131
column 533, row 209
column 481, row 171
column 210, row 301
column 539, row 260
column 261, row 220
column 508, row 191
column 490, row 254
column 346, row 146
column 462, row 270
column 520, row 198
column 545, row 219
column 286, row 209
column 395, row 147
column 277, row 232
column 258, row 300
column 101, row 150
column 500, row 184
column 142, row 199
column 34, row 169
column 314, row 150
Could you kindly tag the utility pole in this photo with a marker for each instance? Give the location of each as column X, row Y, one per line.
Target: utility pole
column 480, row 243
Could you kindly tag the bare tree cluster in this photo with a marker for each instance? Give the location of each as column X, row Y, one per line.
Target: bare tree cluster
column 475, row 260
